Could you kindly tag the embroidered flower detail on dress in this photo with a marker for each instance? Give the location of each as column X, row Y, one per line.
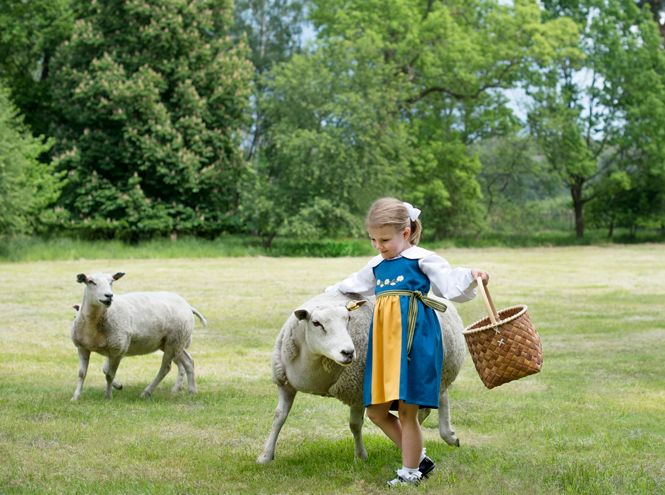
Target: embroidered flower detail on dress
column 383, row 283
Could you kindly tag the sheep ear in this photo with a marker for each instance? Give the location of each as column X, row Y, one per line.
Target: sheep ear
column 76, row 307
column 118, row 275
column 81, row 278
column 301, row 314
column 351, row 305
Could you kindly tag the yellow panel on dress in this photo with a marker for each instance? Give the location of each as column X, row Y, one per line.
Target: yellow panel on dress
column 387, row 350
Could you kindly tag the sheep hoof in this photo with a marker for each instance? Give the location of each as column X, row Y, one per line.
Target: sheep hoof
column 264, row 459
column 451, row 439
column 145, row 395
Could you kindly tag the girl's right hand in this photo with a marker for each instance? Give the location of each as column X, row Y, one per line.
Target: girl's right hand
column 477, row 272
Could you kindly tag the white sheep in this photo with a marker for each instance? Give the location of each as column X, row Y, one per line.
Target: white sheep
column 130, row 325
column 321, row 350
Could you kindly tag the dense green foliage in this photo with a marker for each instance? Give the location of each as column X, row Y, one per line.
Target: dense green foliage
column 334, row 143
column 27, row 186
column 150, row 96
column 426, row 73
column 30, row 32
column 273, row 31
column 201, row 118
column 600, row 117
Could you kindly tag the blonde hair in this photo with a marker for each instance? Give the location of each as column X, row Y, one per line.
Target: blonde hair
column 391, row 211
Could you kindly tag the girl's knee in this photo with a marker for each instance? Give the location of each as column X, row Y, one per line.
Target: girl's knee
column 377, row 414
column 408, row 412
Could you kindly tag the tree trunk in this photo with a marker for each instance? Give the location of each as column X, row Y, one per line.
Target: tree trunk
column 576, row 193
column 609, row 234
column 270, row 239
column 45, row 65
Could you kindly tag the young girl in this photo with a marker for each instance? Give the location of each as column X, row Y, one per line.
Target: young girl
column 405, row 352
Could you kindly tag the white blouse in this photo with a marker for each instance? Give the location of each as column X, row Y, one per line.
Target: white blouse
column 455, row 285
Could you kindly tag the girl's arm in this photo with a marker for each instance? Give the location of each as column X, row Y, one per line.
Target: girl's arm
column 361, row 282
column 455, row 285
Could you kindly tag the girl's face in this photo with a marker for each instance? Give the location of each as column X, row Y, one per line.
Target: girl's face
column 388, row 241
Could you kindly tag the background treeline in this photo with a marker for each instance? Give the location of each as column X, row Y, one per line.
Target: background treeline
column 136, row 119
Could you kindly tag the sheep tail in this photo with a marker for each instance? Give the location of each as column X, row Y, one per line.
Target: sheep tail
column 203, row 320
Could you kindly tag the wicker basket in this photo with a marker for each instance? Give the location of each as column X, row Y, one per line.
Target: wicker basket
column 504, row 346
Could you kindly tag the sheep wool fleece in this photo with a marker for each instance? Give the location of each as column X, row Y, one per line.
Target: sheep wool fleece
column 391, row 374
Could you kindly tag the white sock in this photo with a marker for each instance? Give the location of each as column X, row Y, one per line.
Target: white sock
column 406, row 472
column 422, row 455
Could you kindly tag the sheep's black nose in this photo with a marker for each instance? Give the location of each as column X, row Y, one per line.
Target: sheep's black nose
column 347, row 354
column 109, row 296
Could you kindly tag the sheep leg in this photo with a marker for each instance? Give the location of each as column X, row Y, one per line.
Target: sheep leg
column 180, row 380
column 356, row 424
column 286, row 397
column 445, row 429
column 164, row 369
column 423, row 414
column 84, row 359
column 113, row 363
column 185, row 364
column 116, row 383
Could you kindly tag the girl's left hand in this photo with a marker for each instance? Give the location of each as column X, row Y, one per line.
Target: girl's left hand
column 477, row 272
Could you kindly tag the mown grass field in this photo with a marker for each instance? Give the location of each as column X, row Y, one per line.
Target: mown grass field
column 592, row 422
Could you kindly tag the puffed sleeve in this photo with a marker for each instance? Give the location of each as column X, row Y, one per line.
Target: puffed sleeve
column 361, row 282
column 455, row 285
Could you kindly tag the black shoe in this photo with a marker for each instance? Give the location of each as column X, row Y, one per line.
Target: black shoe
column 426, row 466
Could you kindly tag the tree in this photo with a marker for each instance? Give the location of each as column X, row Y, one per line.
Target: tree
column 334, row 144
column 150, row 95
column 30, row 32
column 272, row 29
column 657, row 8
column 631, row 202
column 599, row 117
column 454, row 58
column 512, row 174
column 27, row 186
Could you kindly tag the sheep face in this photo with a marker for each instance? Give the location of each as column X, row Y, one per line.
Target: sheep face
column 327, row 331
column 98, row 287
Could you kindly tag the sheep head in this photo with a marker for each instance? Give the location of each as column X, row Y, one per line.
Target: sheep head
column 99, row 287
column 326, row 331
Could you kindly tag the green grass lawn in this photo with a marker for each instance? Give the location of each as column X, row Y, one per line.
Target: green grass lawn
column 592, row 422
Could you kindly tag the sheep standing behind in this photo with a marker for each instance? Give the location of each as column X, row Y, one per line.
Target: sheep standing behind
column 321, row 350
column 133, row 324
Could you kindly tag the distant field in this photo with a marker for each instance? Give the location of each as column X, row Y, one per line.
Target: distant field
column 592, row 422
column 34, row 248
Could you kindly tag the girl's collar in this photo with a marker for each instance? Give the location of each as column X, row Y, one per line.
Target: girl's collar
column 412, row 253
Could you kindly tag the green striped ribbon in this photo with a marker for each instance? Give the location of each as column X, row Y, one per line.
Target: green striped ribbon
column 413, row 309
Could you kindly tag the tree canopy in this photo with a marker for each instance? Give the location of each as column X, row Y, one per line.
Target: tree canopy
column 150, row 96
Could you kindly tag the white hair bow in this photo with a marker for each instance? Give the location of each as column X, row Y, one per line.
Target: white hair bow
column 413, row 212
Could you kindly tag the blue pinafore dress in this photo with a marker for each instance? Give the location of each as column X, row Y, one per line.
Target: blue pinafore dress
column 390, row 373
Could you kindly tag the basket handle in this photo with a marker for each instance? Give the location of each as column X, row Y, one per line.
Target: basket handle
column 487, row 299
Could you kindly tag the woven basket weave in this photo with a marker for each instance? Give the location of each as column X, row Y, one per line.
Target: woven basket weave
column 504, row 346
